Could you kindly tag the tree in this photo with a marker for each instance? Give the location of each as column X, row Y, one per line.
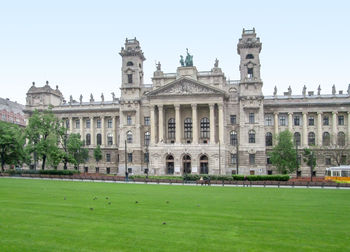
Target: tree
column 12, row 142
column 75, row 148
column 98, row 153
column 283, row 155
column 41, row 129
column 310, row 159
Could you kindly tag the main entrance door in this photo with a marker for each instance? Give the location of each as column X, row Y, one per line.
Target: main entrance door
column 169, row 164
column 186, row 162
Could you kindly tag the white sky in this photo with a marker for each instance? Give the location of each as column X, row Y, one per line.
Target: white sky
column 75, row 44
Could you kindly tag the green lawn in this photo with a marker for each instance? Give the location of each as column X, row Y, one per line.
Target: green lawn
column 34, row 216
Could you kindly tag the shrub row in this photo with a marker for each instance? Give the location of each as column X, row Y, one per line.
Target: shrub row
column 194, row 177
column 154, row 177
column 46, row 172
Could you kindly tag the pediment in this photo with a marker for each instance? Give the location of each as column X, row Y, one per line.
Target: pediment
column 187, row 87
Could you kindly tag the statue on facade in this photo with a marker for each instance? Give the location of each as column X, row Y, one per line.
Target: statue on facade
column 113, row 96
column 102, row 97
column 158, row 66
column 289, row 91
column 333, row 90
column 182, row 62
column 349, row 89
column 189, row 59
column 70, row 99
column 33, row 83
column 275, row 91
column 319, row 90
column 304, row 90
column 216, row 64
column 81, row 99
column 91, row 98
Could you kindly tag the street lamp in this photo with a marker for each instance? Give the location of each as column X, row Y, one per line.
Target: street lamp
column 296, row 153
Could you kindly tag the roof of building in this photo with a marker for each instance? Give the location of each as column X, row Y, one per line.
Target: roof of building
column 11, row 106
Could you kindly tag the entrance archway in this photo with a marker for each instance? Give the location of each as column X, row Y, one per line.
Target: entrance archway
column 186, row 162
column 203, row 164
column 169, row 164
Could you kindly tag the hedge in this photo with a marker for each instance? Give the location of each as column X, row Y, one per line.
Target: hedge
column 46, row 172
column 154, row 177
column 195, row 177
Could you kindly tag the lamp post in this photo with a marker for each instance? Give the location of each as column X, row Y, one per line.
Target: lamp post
column 237, row 156
column 296, row 154
column 126, row 163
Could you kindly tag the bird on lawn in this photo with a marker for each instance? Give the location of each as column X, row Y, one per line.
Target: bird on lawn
column 64, row 198
column 91, row 208
column 95, row 198
column 164, row 223
column 109, row 203
column 107, row 198
column 167, row 202
column 136, row 202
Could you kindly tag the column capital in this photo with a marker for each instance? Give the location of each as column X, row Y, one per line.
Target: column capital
column 160, row 106
column 194, row 105
column 177, row 106
column 211, row 105
column 319, row 113
column 290, row 113
column 305, row 112
column 275, row 113
column 152, row 106
column 335, row 112
column 221, row 106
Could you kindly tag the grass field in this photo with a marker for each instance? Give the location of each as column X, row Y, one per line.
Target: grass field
column 40, row 215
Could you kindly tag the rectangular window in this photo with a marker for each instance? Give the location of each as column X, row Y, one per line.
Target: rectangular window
column 108, row 170
column 109, row 123
column 233, row 119
column 128, row 120
column 98, row 123
column 233, row 158
column 129, row 170
column 311, row 121
column 86, row 169
column 340, row 120
column 129, row 78
column 97, row 169
column 251, row 118
column 110, row 139
column 328, row 161
column 283, row 120
column 108, row 157
column 130, row 157
column 268, row 120
column 326, row 120
column 296, row 120
column 147, row 121
column 252, row 159
column 268, row 160
column 67, row 124
column 343, row 160
column 88, row 123
column 77, row 124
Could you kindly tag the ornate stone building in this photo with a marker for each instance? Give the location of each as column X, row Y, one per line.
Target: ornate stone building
column 198, row 121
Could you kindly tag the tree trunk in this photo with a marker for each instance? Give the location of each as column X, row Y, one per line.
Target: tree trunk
column 44, row 161
column 65, row 165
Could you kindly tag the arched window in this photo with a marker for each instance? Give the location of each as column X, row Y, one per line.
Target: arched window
column 203, row 164
column 250, row 72
column 147, row 138
column 326, row 139
column 249, row 56
column 251, row 136
column 188, row 128
column 129, row 63
column 169, row 162
column 233, row 138
column 99, row 139
column 205, row 128
column 186, row 162
column 109, row 139
column 268, row 139
column 88, row 139
column 311, row 138
column 297, row 138
column 171, row 128
column 341, row 138
column 129, row 137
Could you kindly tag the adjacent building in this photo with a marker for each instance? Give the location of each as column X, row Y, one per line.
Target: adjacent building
column 12, row 112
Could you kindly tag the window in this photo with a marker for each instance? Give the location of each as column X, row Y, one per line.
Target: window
column 109, row 139
column 233, row 158
column 268, row 160
column 129, row 63
column 77, row 124
column 146, row 157
column 268, row 120
column 341, row 138
column 203, row 164
column 147, row 138
column 86, row 169
column 268, row 139
column 129, row 137
column 129, row 78
column 67, row 124
column 251, row 135
column 250, row 72
column 326, row 120
column 296, row 120
column 251, row 159
column 326, row 139
column 188, row 128
column 171, row 128
column 97, row 169
column 99, row 139
column 98, row 123
column 128, row 120
column 129, row 170
column 343, row 159
column 233, row 138
column 88, row 139
column 205, row 129
column 147, row 121
column 311, row 121
column 328, row 161
column 297, row 139
column 283, row 120
column 340, row 120
column 249, row 56
column 169, row 161
column 251, row 118
column 108, row 170
column 87, row 123
column 311, row 138
column 233, row 119
column 108, row 157
column 130, row 157
column 109, row 123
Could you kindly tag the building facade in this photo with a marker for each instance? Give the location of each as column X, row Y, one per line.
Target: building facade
column 12, row 112
column 199, row 122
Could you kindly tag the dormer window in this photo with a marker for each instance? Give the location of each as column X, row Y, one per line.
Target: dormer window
column 129, row 63
column 249, row 56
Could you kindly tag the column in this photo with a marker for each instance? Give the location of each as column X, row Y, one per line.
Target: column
column 114, row 127
column 71, row 124
column 304, row 135
column 161, row 123
column 194, row 124
column 290, row 121
column 92, row 130
column 103, row 135
column 319, row 128
column 221, row 124
column 334, row 127
column 82, row 128
column 212, row 123
column 177, row 124
column 153, row 125
column 275, row 125
column 348, row 143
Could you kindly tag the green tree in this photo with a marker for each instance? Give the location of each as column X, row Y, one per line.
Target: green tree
column 283, row 155
column 310, row 159
column 12, row 142
column 98, row 153
column 75, row 147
